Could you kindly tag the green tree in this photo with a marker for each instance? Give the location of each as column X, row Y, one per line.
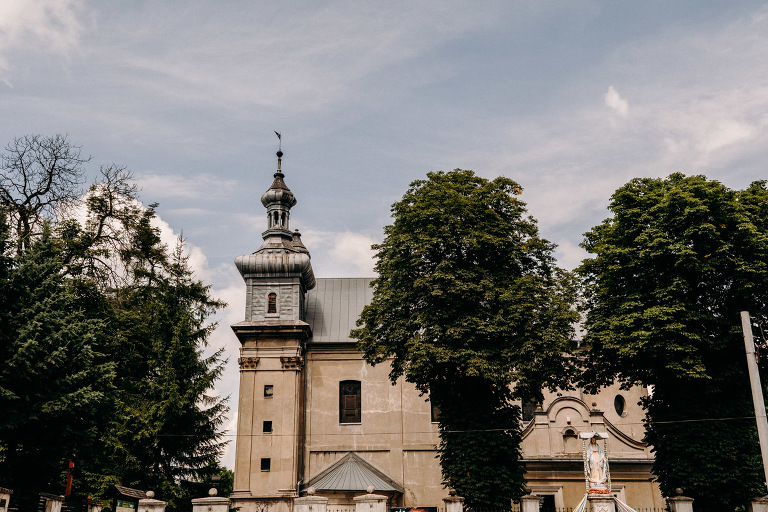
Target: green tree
column 103, row 335
column 672, row 269
column 469, row 306
column 168, row 422
column 56, row 382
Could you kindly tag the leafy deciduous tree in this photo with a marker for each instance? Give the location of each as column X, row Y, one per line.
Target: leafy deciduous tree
column 467, row 303
column 39, row 177
column 673, row 267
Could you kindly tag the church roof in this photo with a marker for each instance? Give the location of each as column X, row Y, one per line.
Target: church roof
column 334, row 305
column 352, row 473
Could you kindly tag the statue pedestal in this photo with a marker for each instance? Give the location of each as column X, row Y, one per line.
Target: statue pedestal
column 601, row 503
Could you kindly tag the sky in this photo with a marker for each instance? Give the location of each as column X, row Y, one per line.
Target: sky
column 570, row 99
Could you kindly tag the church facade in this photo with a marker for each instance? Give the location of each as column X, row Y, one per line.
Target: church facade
column 314, row 417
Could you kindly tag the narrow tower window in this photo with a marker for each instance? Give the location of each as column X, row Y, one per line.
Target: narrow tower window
column 272, row 303
column 350, row 400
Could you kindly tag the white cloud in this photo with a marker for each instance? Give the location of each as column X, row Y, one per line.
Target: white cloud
column 49, row 25
column 569, row 255
column 194, row 186
column 345, row 254
column 616, row 102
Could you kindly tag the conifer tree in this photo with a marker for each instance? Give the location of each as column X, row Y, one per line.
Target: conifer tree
column 103, row 337
column 56, row 382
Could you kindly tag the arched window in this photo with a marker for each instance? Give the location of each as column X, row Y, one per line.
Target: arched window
column 570, row 441
column 272, row 303
column 350, row 401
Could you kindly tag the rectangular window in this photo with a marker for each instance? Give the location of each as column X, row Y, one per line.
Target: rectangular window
column 266, row 464
column 434, row 412
column 268, row 391
column 350, row 401
column 528, row 409
column 267, row 427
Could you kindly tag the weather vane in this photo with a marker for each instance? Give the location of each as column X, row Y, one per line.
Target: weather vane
column 279, row 138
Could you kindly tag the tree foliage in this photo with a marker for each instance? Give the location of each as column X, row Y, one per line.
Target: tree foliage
column 104, row 335
column 55, row 380
column 673, row 267
column 468, row 301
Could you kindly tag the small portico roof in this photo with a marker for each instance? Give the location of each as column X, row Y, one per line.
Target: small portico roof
column 353, row 473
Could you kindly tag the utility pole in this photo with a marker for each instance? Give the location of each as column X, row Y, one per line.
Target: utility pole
column 757, row 391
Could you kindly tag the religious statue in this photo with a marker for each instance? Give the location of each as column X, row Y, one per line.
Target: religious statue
column 595, row 463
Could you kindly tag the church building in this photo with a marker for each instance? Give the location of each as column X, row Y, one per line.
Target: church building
column 314, row 417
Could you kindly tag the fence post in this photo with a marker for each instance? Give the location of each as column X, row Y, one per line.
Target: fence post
column 51, row 502
column 370, row 502
column 759, row 505
column 5, row 499
column 530, row 502
column 150, row 504
column 453, row 503
column 680, row 503
column 310, row 503
column 210, row 504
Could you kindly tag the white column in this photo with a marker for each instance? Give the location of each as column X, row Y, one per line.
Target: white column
column 453, row 503
column 150, row 504
column 210, row 504
column 530, row 503
column 371, row 502
column 310, row 504
column 5, row 499
column 680, row 503
column 759, row 505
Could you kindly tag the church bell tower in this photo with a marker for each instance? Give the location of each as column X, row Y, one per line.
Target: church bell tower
column 277, row 276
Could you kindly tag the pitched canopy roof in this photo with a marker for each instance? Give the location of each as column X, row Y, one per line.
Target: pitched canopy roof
column 334, row 305
column 352, row 473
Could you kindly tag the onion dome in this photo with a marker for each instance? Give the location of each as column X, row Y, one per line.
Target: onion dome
column 278, row 193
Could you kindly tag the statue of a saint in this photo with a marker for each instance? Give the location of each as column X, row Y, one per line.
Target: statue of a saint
column 595, row 463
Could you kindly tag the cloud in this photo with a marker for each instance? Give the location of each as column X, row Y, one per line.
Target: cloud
column 298, row 61
column 195, row 186
column 616, row 102
column 345, row 254
column 51, row 26
column 569, row 255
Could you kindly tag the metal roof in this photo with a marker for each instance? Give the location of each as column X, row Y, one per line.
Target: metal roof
column 334, row 306
column 352, row 473
column 132, row 493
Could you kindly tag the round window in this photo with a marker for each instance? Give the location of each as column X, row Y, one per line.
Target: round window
column 620, row 405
